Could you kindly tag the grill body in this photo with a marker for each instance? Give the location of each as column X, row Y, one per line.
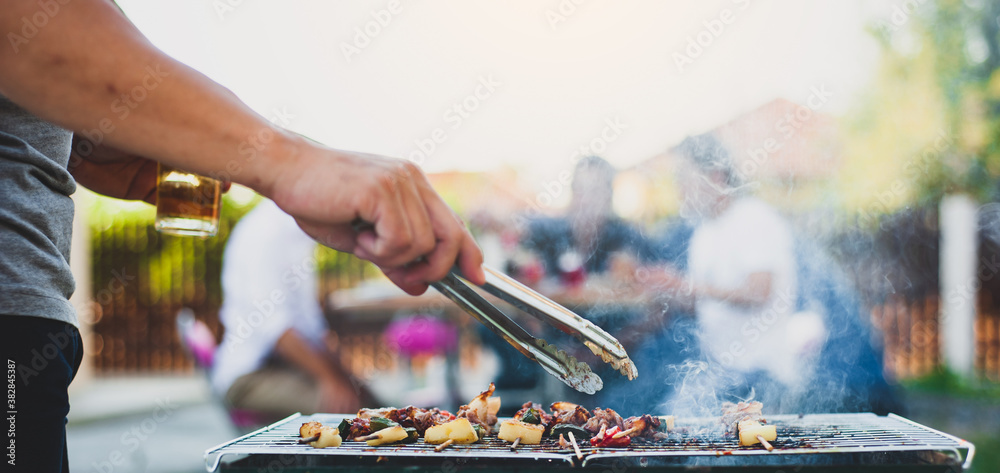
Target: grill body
column 818, row 442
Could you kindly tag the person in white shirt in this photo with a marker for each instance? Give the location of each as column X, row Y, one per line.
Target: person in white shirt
column 742, row 279
column 277, row 356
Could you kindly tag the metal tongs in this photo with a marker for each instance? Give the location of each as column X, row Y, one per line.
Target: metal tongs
column 575, row 374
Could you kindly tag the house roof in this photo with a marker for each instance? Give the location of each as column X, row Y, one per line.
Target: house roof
column 778, row 140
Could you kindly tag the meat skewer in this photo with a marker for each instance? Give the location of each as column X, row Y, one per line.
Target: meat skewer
column 746, row 421
column 514, row 445
column 642, row 426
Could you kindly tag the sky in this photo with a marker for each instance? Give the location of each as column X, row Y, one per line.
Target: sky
column 530, row 84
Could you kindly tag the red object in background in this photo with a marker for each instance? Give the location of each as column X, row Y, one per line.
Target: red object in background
column 571, row 270
column 421, row 335
column 531, row 273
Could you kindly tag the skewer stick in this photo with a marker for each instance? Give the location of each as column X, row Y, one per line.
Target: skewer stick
column 600, row 435
column 368, row 437
column 765, row 443
column 514, row 445
column 626, row 432
column 576, row 448
column 306, row 440
column 444, row 445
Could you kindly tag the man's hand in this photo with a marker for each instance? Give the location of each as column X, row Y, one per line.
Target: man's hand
column 411, row 234
column 113, row 173
column 71, row 71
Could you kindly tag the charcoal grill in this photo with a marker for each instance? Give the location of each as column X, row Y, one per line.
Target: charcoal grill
column 817, row 442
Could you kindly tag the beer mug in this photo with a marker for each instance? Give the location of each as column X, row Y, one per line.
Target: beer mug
column 186, row 204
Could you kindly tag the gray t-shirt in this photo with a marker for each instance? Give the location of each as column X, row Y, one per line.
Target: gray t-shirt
column 36, row 216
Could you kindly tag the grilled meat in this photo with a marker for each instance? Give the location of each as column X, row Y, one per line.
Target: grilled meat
column 645, row 426
column 533, row 413
column 409, row 416
column 359, row 428
column 603, row 418
column 732, row 414
column 482, row 410
column 568, row 413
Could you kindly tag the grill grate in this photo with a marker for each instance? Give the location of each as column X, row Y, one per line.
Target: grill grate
column 810, row 440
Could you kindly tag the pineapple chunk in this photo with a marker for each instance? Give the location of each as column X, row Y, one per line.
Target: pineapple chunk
column 530, row 434
column 387, row 436
column 458, row 430
column 328, row 437
column 750, row 429
column 667, row 422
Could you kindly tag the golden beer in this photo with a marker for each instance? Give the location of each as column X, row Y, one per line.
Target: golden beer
column 186, row 204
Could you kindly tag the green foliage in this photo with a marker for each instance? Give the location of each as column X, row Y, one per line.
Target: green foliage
column 944, row 381
column 929, row 122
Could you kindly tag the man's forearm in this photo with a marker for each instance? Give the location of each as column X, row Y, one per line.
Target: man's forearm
column 295, row 350
column 89, row 69
column 754, row 292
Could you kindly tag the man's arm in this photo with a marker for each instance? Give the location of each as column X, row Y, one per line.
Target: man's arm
column 337, row 390
column 90, row 70
column 753, row 292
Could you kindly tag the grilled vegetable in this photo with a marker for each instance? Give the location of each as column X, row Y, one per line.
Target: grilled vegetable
column 480, row 431
column 459, row 430
column 328, row 437
column 532, row 416
column 411, row 435
column 530, row 434
column 564, row 429
column 605, row 439
column 381, row 423
column 388, row 436
column 344, row 427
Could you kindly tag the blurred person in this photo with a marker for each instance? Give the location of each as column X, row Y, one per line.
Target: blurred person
column 71, row 112
column 774, row 318
column 582, row 243
column 590, row 232
column 741, row 280
column 278, row 355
